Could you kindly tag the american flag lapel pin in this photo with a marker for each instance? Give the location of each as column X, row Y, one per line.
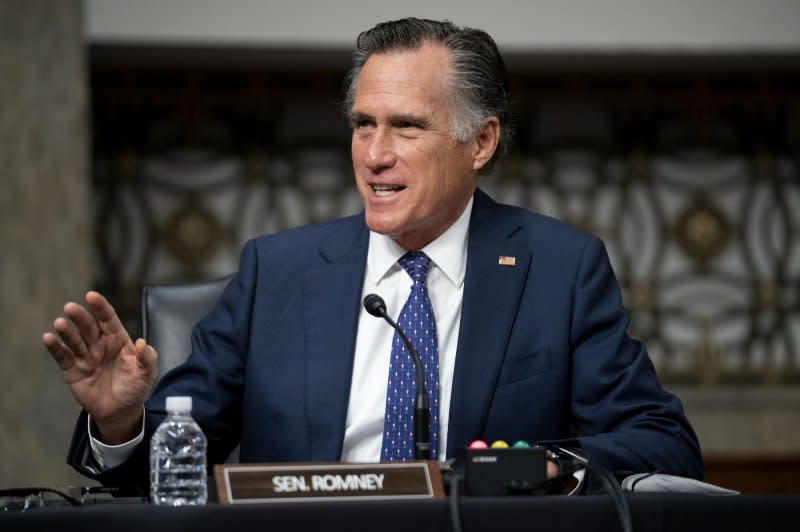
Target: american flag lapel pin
column 507, row 261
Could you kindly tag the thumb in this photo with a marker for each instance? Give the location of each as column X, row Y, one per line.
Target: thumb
column 147, row 356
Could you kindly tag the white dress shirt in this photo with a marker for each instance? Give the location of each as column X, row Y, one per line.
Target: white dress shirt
column 384, row 276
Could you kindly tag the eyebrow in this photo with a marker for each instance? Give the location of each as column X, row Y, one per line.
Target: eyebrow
column 395, row 119
column 419, row 120
column 356, row 116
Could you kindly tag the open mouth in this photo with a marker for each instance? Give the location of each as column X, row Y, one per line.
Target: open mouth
column 386, row 190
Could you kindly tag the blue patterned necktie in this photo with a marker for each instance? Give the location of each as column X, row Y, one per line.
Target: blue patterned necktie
column 418, row 321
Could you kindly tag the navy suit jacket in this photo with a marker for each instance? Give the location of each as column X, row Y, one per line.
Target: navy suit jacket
column 542, row 352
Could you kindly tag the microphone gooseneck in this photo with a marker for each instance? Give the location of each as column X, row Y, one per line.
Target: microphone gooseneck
column 374, row 304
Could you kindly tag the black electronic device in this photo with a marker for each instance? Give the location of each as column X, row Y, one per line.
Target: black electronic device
column 502, row 471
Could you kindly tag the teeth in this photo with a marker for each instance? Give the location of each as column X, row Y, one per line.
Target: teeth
column 386, row 190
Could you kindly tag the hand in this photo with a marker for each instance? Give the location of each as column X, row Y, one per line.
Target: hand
column 552, row 469
column 109, row 375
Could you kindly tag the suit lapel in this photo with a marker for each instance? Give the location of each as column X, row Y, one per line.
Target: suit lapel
column 492, row 294
column 332, row 295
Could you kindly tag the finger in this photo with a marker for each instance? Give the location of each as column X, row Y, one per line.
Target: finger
column 552, row 469
column 106, row 316
column 60, row 352
column 70, row 336
column 84, row 321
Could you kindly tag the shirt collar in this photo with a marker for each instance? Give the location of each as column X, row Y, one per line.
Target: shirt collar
column 448, row 251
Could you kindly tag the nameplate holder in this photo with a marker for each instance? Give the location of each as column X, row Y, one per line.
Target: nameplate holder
column 265, row 483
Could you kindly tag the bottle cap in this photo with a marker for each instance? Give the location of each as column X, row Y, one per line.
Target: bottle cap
column 179, row 404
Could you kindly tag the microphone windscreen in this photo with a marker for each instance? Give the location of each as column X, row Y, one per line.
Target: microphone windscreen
column 375, row 305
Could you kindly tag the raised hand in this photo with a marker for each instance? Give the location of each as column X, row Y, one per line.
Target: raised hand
column 109, row 375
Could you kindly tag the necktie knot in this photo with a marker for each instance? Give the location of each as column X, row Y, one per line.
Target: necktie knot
column 416, row 263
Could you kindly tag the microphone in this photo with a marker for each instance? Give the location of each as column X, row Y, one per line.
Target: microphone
column 375, row 305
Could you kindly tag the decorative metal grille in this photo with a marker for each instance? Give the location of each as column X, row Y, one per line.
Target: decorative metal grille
column 703, row 229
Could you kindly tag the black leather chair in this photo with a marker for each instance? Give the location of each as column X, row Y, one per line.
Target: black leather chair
column 170, row 311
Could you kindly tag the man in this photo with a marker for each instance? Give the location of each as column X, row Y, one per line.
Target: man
column 529, row 335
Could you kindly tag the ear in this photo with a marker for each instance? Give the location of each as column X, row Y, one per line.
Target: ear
column 485, row 142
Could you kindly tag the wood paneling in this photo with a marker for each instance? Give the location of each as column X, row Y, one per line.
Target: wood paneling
column 754, row 473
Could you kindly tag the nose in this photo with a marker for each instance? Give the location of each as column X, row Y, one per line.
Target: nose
column 380, row 150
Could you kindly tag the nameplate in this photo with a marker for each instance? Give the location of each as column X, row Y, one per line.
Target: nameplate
column 263, row 483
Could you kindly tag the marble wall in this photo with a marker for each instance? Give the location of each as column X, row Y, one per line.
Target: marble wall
column 45, row 228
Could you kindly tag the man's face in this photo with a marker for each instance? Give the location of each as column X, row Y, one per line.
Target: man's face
column 414, row 178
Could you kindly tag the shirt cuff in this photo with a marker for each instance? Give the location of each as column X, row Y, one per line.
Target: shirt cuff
column 110, row 456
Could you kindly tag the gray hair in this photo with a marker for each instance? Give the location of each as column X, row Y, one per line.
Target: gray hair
column 479, row 87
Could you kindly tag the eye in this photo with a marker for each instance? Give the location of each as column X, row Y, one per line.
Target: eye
column 361, row 122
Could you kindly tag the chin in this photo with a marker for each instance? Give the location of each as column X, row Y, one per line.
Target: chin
column 384, row 225
column 382, row 229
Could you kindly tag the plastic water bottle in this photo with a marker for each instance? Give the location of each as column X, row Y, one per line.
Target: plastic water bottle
column 178, row 458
